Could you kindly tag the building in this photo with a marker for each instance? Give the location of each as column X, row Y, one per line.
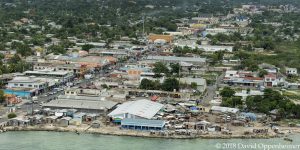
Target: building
column 117, row 53
column 242, row 78
column 50, row 73
column 291, row 71
column 27, row 84
column 87, row 106
column 142, row 124
column 156, row 38
column 214, row 31
column 218, row 109
column 270, row 80
column 215, row 48
column 139, row 109
column 174, row 59
column 94, row 61
column 207, row 48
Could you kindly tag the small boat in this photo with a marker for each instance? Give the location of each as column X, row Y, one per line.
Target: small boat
column 288, row 139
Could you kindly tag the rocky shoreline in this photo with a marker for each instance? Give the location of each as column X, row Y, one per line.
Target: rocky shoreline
column 140, row 133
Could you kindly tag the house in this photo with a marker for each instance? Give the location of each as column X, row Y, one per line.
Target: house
column 139, row 109
column 64, row 122
column 243, row 78
column 270, row 80
column 19, row 121
column 291, row 71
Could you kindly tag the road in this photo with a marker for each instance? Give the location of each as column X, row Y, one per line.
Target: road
column 26, row 106
column 211, row 90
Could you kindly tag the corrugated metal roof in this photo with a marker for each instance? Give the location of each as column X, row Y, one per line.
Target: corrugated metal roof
column 81, row 104
column 142, row 108
column 84, row 98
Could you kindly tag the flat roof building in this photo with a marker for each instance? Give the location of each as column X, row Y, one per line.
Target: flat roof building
column 87, row 106
column 174, row 59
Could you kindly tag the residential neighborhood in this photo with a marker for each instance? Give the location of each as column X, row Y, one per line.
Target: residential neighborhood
column 196, row 74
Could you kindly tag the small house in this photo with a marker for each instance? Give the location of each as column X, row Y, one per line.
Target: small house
column 64, row 122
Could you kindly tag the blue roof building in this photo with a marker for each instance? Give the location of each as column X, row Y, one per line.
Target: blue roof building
column 142, row 124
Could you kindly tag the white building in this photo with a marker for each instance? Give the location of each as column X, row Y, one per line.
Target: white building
column 207, row 48
column 214, row 31
column 27, row 82
column 140, row 109
column 218, row 109
column 291, row 71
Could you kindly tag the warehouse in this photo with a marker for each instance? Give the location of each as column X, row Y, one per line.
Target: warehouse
column 99, row 107
column 140, row 109
column 142, row 124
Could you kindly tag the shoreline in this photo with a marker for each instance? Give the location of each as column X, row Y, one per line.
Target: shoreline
column 143, row 134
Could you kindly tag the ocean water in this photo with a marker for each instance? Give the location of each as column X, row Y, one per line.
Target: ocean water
column 70, row 141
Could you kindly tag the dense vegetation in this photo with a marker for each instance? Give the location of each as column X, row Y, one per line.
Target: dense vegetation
column 273, row 100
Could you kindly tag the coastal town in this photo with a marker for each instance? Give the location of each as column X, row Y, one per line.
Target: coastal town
column 198, row 75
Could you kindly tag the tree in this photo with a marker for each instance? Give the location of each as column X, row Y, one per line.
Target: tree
column 227, row 92
column 2, row 98
column 11, row 115
column 194, row 85
column 146, row 84
column 232, row 101
column 175, row 68
column 23, row 49
column 160, row 68
column 87, row 47
column 104, row 86
column 56, row 49
column 170, row 84
column 262, row 73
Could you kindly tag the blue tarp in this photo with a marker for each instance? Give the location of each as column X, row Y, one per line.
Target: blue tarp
column 251, row 116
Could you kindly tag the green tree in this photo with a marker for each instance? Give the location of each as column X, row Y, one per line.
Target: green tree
column 194, row 85
column 146, row 84
column 170, row 84
column 24, row 50
column 11, row 115
column 2, row 98
column 227, row 92
column 232, row 101
column 262, row 73
column 56, row 49
column 87, row 47
column 175, row 68
column 160, row 68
